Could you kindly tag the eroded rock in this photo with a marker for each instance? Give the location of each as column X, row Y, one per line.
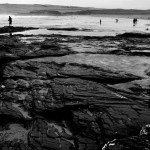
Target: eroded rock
column 70, row 106
column 141, row 142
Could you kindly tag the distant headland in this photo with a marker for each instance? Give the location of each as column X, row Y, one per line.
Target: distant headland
column 37, row 9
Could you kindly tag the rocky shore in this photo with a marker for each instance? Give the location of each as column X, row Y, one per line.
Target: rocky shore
column 74, row 93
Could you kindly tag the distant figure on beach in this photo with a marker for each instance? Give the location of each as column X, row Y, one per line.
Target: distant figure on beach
column 135, row 21
column 10, row 21
column 116, row 20
column 100, row 21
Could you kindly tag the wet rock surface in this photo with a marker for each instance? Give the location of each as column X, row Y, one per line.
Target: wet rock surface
column 119, row 45
column 12, row 48
column 8, row 29
column 54, row 105
column 68, row 29
column 131, row 143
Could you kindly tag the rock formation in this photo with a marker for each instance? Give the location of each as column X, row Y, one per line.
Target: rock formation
column 50, row 105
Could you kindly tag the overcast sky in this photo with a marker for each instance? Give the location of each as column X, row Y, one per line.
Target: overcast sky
column 127, row 4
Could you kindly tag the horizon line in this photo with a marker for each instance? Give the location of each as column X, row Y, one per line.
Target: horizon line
column 71, row 6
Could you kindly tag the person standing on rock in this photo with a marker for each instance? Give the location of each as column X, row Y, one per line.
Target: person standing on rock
column 10, row 21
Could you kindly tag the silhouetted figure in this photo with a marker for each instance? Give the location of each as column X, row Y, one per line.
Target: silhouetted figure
column 116, row 20
column 10, row 21
column 135, row 21
column 100, row 21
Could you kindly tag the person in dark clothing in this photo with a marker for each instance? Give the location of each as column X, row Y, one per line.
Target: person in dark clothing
column 10, row 21
column 100, row 21
column 135, row 20
column 10, row 29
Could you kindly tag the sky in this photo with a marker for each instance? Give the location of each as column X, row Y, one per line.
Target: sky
column 125, row 4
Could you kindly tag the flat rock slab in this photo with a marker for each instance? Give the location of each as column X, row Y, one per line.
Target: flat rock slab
column 13, row 48
column 75, row 108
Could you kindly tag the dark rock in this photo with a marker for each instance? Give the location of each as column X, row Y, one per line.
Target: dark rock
column 7, row 29
column 68, row 92
column 14, row 137
column 141, row 142
column 68, row 29
column 135, row 35
column 69, row 106
column 64, row 29
column 14, row 49
column 52, row 70
column 49, row 135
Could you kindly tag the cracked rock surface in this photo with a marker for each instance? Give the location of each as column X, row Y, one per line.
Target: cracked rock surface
column 55, row 97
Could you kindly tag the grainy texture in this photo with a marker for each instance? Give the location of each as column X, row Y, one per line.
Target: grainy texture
column 50, row 105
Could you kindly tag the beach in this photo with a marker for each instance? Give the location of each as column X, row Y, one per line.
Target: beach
column 69, row 83
column 84, row 25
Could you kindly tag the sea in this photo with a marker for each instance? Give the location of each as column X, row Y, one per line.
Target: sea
column 86, row 25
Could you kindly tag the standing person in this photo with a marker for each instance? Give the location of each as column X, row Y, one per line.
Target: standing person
column 116, row 20
column 100, row 21
column 134, row 22
column 10, row 21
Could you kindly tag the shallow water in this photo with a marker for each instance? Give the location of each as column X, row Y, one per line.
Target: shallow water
column 135, row 65
column 109, row 27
